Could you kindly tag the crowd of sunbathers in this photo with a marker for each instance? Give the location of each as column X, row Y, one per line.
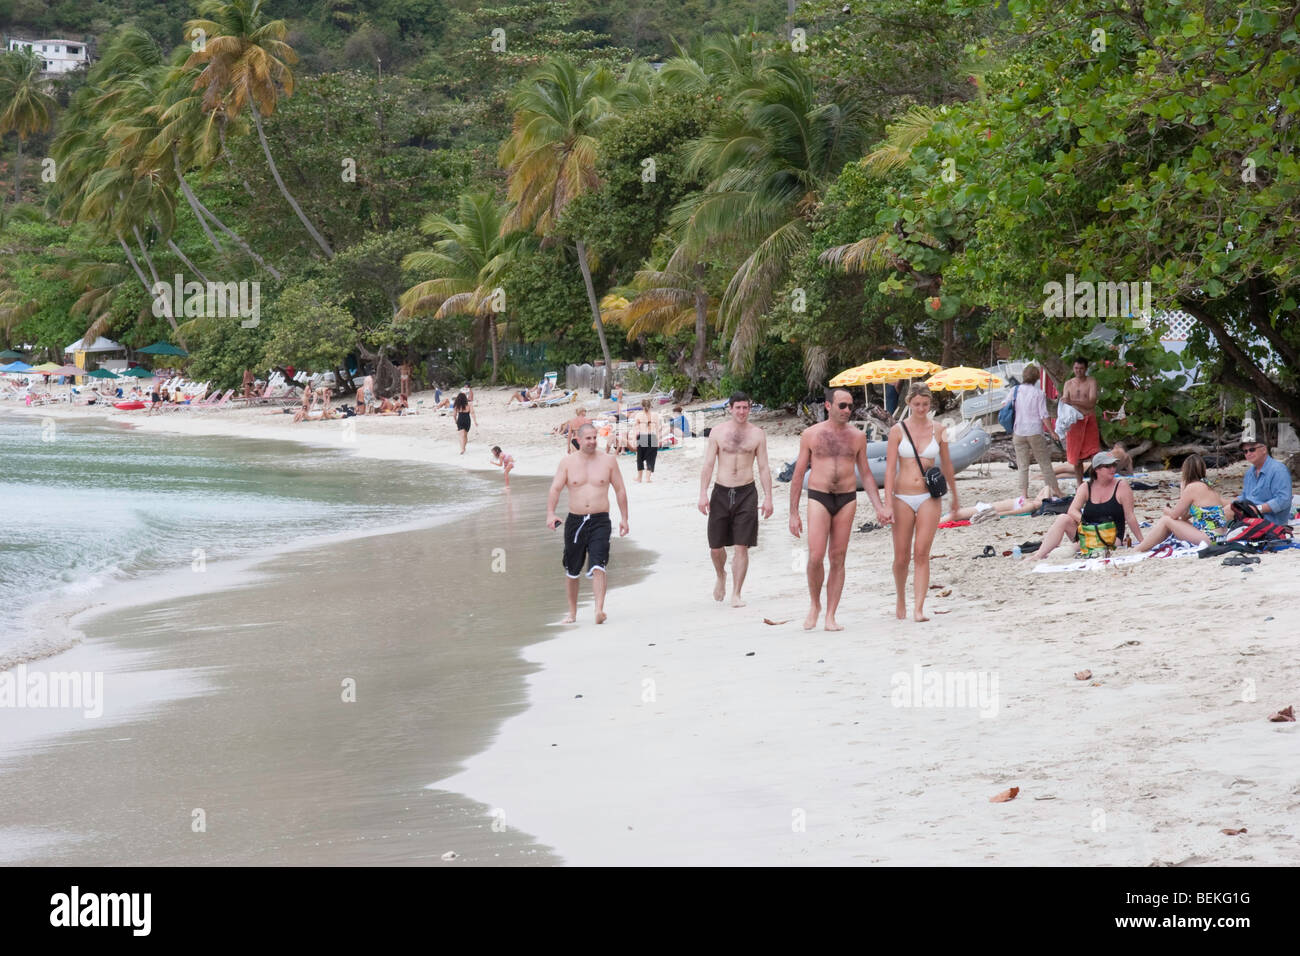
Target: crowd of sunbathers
column 1100, row 516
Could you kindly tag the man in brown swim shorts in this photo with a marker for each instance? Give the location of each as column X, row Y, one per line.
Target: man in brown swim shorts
column 734, row 446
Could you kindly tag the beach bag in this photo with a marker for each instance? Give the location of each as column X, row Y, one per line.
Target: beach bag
column 1251, row 530
column 1097, row 539
column 1007, row 417
column 934, row 480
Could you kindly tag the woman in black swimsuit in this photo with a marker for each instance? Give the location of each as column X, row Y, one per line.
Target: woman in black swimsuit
column 1103, row 498
column 464, row 410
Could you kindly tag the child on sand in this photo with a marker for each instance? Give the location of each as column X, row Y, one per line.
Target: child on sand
column 504, row 460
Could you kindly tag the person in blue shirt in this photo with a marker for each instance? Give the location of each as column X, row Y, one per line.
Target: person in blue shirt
column 1267, row 484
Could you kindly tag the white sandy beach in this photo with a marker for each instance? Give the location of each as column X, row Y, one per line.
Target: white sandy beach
column 703, row 735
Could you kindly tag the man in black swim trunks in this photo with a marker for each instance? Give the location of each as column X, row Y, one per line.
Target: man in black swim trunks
column 832, row 449
column 734, row 446
column 588, row 477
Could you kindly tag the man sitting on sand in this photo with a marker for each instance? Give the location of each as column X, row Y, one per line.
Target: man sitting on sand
column 588, row 477
column 831, row 449
column 734, row 447
column 1267, row 482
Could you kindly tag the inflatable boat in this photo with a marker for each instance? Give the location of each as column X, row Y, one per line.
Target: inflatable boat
column 129, row 406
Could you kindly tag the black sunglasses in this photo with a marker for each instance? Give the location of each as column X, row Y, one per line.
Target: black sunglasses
column 844, row 405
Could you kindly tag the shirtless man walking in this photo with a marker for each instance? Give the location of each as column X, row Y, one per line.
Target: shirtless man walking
column 831, row 448
column 588, row 477
column 734, row 446
column 1083, row 440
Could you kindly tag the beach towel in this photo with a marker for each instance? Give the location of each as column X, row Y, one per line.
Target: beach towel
column 1083, row 440
column 953, row 524
column 1185, row 549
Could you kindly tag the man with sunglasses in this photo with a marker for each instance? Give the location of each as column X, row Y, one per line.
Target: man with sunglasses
column 834, row 451
column 1267, row 483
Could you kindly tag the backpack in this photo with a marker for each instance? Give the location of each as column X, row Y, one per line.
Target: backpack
column 1007, row 417
column 1250, row 530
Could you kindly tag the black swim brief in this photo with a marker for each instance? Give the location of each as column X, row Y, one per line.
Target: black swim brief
column 832, row 501
column 586, row 540
column 733, row 516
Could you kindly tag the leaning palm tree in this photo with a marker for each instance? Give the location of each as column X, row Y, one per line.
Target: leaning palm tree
column 768, row 163
column 468, row 263
column 244, row 64
column 550, row 158
column 27, row 107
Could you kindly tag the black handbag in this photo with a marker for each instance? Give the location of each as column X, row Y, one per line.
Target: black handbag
column 935, row 483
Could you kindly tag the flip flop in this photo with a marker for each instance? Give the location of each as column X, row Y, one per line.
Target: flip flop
column 989, row 552
column 1241, row 559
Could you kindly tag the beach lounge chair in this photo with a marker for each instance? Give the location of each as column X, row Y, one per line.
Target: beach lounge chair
column 565, row 399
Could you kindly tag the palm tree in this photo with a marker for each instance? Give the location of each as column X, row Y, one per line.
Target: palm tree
column 873, row 253
column 468, row 262
column 550, row 158
column 769, row 163
column 14, row 308
column 245, row 64
column 667, row 301
column 28, row 108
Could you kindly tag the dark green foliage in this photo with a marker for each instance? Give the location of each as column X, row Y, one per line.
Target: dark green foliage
column 776, row 377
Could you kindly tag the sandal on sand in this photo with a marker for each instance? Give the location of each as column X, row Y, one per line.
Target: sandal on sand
column 1241, row 559
column 869, row 526
column 989, row 552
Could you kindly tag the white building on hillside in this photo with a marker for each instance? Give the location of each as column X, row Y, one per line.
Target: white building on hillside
column 59, row 56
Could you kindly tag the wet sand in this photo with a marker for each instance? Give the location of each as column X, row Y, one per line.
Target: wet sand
column 248, row 753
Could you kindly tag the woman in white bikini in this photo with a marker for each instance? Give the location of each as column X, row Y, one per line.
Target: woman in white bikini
column 915, row 524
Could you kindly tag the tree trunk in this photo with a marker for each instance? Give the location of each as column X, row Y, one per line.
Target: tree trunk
column 18, row 173
column 144, row 254
column 135, row 265
column 1256, row 382
column 284, row 191
column 185, row 259
column 194, row 203
column 595, row 313
column 949, row 343
column 492, row 333
column 238, row 240
column 221, row 134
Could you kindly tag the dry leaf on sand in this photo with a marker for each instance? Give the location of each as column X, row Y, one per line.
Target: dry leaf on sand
column 945, row 593
column 768, row 620
column 1283, row 716
column 1233, row 832
column 1005, row 796
column 1082, row 675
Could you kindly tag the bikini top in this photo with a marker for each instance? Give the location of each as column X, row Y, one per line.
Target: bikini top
column 931, row 450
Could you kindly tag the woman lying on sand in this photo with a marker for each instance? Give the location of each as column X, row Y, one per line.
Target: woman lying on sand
column 1199, row 511
column 1001, row 509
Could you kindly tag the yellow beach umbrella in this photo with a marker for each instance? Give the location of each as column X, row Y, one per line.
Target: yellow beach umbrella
column 46, row 367
column 961, row 378
column 883, row 370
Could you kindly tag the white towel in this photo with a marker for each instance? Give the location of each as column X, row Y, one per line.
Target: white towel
column 1066, row 415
